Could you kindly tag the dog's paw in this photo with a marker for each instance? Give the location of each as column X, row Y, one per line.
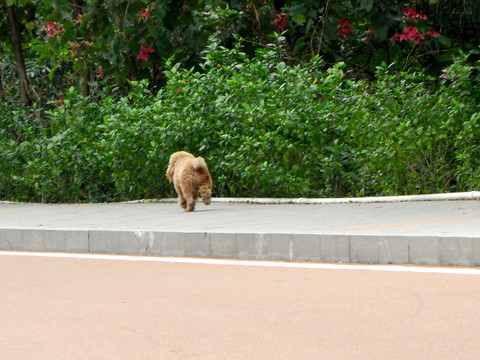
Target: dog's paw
column 190, row 206
column 182, row 203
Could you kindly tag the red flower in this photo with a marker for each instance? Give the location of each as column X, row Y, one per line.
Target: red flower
column 60, row 101
column 395, row 38
column 144, row 51
column 99, row 73
column 369, row 36
column 411, row 33
column 411, row 14
column 344, row 27
column 422, row 17
column 280, row 20
column 145, row 13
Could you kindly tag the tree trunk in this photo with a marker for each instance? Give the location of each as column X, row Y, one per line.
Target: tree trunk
column 2, row 95
column 25, row 90
column 84, row 87
column 77, row 9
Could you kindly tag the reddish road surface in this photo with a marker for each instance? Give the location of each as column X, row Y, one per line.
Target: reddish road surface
column 53, row 308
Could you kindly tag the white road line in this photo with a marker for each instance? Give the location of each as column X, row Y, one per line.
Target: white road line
column 257, row 263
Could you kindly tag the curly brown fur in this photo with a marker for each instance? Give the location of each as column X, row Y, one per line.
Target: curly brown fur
column 191, row 179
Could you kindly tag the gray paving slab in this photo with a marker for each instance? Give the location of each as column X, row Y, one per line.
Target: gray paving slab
column 435, row 232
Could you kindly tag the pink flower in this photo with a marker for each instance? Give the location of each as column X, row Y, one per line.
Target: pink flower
column 344, row 27
column 433, row 33
column 99, row 73
column 144, row 51
column 51, row 28
column 54, row 29
column 79, row 18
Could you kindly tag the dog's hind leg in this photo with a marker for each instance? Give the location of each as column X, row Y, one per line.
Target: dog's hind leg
column 190, row 204
column 182, row 202
column 181, row 199
column 190, row 199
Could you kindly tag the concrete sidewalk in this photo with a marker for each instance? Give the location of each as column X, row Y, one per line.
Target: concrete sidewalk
column 445, row 230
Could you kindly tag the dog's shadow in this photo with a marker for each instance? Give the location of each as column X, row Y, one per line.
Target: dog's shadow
column 202, row 210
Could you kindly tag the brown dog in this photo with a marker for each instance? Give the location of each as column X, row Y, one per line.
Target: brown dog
column 191, row 179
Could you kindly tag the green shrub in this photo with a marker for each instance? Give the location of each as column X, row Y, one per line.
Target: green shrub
column 266, row 129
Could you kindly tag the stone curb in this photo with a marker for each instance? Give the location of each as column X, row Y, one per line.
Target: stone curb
column 473, row 195
column 316, row 247
column 331, row 248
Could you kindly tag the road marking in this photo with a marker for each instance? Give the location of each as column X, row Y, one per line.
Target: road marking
column 254, row 263
column 415, row 223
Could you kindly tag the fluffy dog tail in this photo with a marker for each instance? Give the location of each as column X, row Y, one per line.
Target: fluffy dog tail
column 199, row 165
column 173, row 159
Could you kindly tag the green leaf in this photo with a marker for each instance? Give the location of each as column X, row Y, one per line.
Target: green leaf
column 52, row 71
column 366, row 5
column 444, row 41
column 298, row 9
column 30, row 25
column 152, row 31
column 299, row 19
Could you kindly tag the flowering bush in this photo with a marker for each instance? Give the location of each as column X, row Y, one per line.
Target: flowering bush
column 128, row 40
column 411, row 33
column 74, row 42
column 273, row 120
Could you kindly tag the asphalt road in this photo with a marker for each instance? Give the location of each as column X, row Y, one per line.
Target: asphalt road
column 56, row 308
